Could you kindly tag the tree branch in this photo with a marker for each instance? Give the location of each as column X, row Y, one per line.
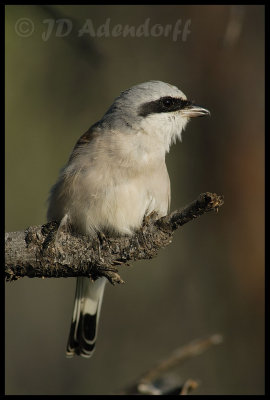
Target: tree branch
column 53, row 251
column 159, row 380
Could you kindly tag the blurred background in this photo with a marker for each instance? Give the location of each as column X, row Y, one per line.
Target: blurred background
column 64, row 67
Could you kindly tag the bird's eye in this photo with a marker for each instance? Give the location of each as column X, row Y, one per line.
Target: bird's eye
column 167, row 102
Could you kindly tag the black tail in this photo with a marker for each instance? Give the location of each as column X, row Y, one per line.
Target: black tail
column 87, row 304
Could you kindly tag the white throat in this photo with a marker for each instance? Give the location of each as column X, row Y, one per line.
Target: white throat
column 165, row 128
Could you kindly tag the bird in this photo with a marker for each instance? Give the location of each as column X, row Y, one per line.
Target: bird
column 116, row 176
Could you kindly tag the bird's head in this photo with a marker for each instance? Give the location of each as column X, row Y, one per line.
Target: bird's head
column 156, row 108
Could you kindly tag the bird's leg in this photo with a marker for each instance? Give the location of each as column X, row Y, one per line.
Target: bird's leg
column 101, row 239
column 146, row 221
column 148, row 218
column 53, row 231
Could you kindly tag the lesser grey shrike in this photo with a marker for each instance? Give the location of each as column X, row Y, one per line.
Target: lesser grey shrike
column 116, row 175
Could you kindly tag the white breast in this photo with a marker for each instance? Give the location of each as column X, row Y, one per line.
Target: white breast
column 111, row 185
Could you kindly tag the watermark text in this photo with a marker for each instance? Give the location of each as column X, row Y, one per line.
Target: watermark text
column 178, row 31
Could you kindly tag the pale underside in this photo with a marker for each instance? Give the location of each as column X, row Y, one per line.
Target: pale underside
column 110, row 182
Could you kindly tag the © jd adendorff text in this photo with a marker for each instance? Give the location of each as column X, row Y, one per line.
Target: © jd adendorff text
column 59, row 28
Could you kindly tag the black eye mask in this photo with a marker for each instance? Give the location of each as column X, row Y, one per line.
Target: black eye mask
column 164, row 104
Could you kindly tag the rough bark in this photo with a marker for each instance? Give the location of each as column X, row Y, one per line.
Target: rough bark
column 54, row 251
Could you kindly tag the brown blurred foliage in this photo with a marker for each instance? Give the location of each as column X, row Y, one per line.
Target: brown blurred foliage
column 211, row 279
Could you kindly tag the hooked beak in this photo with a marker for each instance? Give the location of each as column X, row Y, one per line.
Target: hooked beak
column 194, row 111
